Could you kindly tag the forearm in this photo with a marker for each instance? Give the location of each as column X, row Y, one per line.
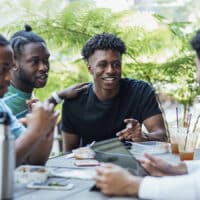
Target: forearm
column 41, row 152
column 132, row 187
column 24, row 145
column 180, row 169
column 56, row 97
column 158, row 135
column 70, row 141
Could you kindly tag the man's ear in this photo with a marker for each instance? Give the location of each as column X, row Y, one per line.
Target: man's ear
column 15, row 66
column 90, row 70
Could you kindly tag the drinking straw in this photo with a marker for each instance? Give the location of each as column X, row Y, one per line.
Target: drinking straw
column 186, row 117
column 188, row 127
column 177, row 119
column 195, row 124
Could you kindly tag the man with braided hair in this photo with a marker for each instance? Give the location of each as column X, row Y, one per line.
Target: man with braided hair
column 31, row 71
column 32, row 144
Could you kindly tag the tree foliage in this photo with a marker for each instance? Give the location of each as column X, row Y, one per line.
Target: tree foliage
column 161, row 56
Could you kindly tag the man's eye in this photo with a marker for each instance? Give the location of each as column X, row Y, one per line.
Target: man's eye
column 5, row 69
column 102, row 65
column 46, row 61
column 116, row 65
column 35, row 61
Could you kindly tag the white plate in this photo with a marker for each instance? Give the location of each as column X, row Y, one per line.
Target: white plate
column 151, row 147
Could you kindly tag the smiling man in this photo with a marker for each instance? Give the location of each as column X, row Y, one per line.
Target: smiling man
column 30, row 70
column 111, row 106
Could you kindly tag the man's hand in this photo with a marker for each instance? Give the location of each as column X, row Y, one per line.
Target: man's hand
column 114, row 180
column 30, row 102
column 23, row 121
column 70, row 92
column 158, row 167
column 132, row 131
column 42, row 119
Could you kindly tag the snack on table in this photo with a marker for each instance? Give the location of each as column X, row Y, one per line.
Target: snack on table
column 83, row 153
column 29, row 173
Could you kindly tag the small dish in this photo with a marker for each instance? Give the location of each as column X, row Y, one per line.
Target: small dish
column 27, row 174
column 151, row 147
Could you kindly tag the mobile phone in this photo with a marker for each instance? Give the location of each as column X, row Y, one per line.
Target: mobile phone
column 51, row 186
column 86, row 163
column 94, row 188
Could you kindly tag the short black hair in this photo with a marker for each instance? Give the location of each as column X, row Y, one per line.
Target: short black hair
column 103, row 41
column 195, row 43
column 3, row 41
column 23, row 37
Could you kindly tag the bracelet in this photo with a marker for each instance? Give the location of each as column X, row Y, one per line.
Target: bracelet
column 56, row 98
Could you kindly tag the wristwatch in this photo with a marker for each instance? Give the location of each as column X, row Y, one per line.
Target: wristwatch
column 56, row 98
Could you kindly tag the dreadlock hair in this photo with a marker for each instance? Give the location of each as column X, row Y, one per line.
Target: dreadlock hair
column 23, row 37
column 104, row 41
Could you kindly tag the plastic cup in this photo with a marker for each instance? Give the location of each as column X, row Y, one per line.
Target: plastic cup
column 174, row 148
column 186, row 145
column 175, row 136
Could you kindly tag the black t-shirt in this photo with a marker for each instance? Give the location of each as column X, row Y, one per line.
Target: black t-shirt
column 97, row 120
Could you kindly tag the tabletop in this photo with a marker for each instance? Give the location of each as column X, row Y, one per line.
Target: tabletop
column 81, row 189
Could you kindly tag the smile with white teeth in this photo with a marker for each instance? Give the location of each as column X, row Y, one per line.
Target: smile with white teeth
column 109, row 78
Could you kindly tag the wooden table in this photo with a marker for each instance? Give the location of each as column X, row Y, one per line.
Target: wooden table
column 81, row 187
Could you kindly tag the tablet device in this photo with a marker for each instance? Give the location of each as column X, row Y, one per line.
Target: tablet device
column 114, row 151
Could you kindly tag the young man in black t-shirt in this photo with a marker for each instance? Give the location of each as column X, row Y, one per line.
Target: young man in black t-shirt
column 111, row 106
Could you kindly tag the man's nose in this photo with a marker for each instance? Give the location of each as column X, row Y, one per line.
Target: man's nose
column 43, row 67
column 110, row 69
column 8, row 76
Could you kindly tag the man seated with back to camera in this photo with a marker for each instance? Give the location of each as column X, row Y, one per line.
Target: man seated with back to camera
column 111, row 106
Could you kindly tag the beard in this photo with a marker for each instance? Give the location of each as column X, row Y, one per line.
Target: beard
column 24, row 78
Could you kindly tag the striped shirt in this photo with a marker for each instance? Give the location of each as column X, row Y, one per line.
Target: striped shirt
column 16, row 101
column 16, row 128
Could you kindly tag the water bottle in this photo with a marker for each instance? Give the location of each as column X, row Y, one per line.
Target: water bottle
column 7, row 158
